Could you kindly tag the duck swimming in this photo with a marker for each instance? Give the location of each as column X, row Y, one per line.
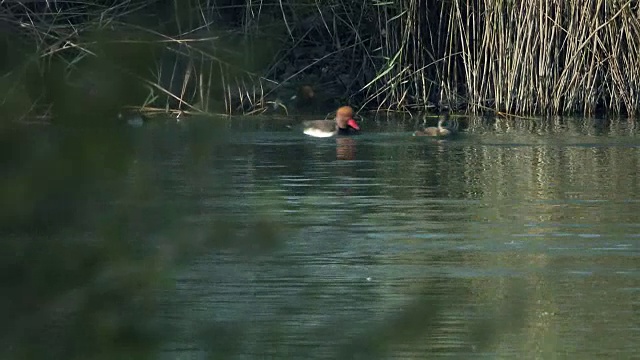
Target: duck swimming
column 438, row 131
column 343, row 124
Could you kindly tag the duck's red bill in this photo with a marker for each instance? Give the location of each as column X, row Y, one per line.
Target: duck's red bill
column 352, row 123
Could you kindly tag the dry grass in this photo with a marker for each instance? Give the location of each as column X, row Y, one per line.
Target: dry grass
column 480, row 56
column 514, row 57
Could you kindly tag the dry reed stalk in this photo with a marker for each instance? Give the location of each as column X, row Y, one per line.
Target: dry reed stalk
column 542, row 57
column 546, row 57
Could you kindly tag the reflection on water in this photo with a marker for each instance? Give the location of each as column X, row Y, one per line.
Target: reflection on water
column 346, row 148
column 517, row 239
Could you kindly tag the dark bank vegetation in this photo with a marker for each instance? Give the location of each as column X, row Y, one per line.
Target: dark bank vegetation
column 569, row 57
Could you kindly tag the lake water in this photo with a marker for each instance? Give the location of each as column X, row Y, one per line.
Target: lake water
column 211, row 239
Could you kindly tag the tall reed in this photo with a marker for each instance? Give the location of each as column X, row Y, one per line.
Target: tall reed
column 543, row 57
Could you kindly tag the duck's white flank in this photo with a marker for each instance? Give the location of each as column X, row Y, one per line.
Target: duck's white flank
column 318, row 133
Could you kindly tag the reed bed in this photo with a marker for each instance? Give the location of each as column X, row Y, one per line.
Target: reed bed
column 507, row 57
column 545, row 57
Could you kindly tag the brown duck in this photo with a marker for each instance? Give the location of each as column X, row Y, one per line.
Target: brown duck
column 438, row 131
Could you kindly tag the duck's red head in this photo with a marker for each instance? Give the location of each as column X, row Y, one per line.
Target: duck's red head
column 344, row 118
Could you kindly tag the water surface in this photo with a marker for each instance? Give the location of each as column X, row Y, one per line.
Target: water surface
column 246, row 239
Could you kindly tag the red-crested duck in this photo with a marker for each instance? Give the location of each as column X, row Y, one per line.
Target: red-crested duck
column 342, row 125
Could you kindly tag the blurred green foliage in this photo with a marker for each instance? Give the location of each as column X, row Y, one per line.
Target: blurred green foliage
column 90, row 237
